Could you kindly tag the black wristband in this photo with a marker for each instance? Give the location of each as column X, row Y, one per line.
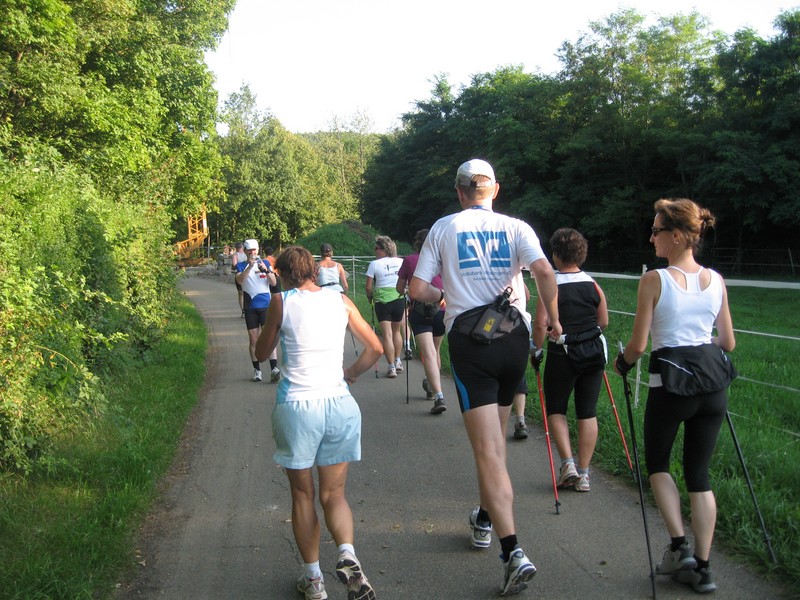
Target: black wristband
column 441, row 297
column 622, row 366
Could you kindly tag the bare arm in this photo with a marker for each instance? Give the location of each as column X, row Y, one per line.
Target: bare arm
column 268, row 338
column 548, row 293
column 366, row 336
column 539, row 324
column 725, row 338
column 369, row 286
column 647, row 296
column 602, row 308
column 342, row 277
column 401, row 285
column 422, row 291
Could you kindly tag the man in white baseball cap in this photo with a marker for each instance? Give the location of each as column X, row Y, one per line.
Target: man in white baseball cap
column 466, row 174
column 480, row 254
column 256, row 276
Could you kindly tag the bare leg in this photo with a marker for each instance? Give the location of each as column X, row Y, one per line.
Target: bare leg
column 305, row 523
column 704, row 519
column 486, row 434
column 397, row 338
column 338, row 516
column 587, row 440
column 388, row 341
column 559, row 430
column 668, row 500
column 431, row 361
column 252, row 334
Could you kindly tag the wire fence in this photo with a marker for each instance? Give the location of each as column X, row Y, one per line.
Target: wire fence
column 356, row 267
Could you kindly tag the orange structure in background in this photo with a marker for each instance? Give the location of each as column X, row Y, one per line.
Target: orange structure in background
column 198, row 232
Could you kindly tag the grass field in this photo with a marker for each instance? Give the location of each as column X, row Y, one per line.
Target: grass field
column 66, row 531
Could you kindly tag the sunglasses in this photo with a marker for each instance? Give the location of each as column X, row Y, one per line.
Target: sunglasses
column 657, row 230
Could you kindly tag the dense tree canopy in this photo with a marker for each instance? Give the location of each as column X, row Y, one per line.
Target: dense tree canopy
column 636, row 113
column 107, row 114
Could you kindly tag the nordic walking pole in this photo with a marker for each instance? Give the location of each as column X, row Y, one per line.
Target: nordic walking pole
column 547, row 439
column 750, row 485
column 627, row 390
column 619, row 425
column 405, row 340
column 372, row 306
column 352, row 337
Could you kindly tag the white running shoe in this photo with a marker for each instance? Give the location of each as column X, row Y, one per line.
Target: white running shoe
column 516, row 573
column 398, row 364
column 582, row 485
column 256, row 375
column 391, row 372
column 349, row 572
column 568, row 475
column 481, row 533
column 275, row 375
column 312, row 589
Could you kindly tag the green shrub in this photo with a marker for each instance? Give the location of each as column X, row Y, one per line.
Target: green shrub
column 82, row 283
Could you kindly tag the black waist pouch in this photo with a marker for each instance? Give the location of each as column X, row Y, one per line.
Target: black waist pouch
column 693, row 370
column 487, row 323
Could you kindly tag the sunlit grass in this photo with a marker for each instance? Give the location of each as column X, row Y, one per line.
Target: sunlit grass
column 66, row 531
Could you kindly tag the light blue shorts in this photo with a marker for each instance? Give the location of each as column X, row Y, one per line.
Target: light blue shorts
column 318, row 432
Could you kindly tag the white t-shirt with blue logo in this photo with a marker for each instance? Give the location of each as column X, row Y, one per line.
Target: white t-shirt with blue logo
column 479, row 253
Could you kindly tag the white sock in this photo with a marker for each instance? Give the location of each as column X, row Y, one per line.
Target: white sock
column 313, row 571
column 348, row 548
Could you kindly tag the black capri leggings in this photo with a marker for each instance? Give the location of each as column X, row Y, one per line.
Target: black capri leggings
column 561, row 379
column 702, row 418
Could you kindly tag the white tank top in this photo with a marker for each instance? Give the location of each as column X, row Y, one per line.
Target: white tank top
column 329, row 277
column 312, row 345
column 685, row 317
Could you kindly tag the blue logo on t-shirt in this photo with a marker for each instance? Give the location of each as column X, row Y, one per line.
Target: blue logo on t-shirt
column 483, row 249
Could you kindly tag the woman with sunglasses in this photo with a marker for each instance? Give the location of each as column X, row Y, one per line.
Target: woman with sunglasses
column 678, row 307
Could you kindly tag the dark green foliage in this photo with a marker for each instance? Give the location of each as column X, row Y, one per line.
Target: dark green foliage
column 106, row 116
column 278, row 187
column 637, row 113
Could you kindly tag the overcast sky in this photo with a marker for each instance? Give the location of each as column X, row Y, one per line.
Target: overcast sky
column 309, row 61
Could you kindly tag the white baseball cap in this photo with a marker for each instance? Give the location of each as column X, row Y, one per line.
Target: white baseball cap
column 473, row 167
column 251, row 244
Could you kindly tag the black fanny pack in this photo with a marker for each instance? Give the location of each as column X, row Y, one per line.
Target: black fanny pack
column 489, row 322
column 586, row 350
column 693, row 370
column 425, row 310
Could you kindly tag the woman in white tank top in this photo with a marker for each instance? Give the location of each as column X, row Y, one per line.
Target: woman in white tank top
column 315, row 420
column 678, row 307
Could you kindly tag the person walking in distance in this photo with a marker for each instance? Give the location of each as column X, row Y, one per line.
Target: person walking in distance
column 329, row 272
column 427, row 323
column 479, row 254
column 255, row 276
column 574, row 369
column 389, row 306
column 679, row 307
column 236, row 257
column 315, row 420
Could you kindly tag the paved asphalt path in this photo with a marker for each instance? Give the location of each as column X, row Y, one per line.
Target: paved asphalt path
column 221, row 528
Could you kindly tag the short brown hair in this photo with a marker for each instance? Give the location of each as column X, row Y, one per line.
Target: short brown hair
column 569, row 245
column 295, row 266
